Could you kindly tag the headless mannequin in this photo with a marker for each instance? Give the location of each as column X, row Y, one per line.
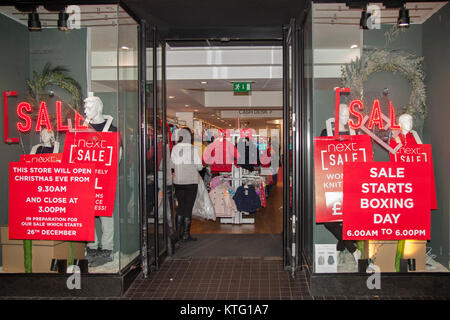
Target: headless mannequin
column 336, row 227
column 93, row 109
column 48, row 143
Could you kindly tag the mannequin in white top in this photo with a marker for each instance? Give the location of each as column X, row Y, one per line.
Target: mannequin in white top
column 344, row 116
column 48, row 143
column 93, row 109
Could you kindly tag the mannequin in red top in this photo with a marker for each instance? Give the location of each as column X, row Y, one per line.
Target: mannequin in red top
column 406, row 137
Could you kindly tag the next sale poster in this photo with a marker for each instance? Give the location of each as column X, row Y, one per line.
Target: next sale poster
column 100, row 149
column 330, row 155
column 417, row 154
column 386, row 201
column 51, row 201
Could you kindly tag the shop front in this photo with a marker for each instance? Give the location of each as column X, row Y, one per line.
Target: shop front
column 377, row 211
column 365, row 207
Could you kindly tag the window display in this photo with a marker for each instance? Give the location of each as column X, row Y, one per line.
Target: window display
column 69, row 143
column 375, row 187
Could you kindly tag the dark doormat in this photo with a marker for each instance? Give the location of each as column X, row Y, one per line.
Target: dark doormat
column 231, row 245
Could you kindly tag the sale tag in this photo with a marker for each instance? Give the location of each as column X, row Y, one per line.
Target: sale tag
column 330, row 155
column 418, row 153
column 386, row 201
column 41, row 158
column 51, row 201
column 101, row 150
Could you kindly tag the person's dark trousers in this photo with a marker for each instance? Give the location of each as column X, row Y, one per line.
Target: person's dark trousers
column 336, row 229
column 170, row 223
column 186, row 194
column 275, row 179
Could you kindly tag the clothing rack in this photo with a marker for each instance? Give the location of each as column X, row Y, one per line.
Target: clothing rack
column 236, row 177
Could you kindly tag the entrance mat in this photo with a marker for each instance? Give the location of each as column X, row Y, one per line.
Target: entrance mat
column 231, row 245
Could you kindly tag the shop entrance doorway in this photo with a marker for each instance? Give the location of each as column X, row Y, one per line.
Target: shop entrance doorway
column 216, row 87
column 197, row 86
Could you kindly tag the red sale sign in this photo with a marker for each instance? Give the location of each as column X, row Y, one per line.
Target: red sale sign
column 51, row 201
column 330, row 155
column 101, row 150
column 386, row 201
column 41, row 158
column 417, row 154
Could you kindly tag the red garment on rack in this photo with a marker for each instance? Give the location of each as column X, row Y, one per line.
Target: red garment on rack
column 220, row 155
column 263, row 196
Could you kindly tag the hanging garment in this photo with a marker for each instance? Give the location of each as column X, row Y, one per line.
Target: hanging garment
column 220, row 155
column 247, row 199
column 203, row 206
column 215, row 182
column 224, row 206
column 262, row 195
column 249, row 156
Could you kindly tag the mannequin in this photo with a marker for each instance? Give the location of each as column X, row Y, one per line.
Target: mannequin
column 407, row 136
column 336, row 227
column 48, row 143
column 96, row 255
column 344, row 128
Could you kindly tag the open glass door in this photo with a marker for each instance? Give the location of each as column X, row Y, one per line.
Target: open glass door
column 289, row 253
column 152, row 138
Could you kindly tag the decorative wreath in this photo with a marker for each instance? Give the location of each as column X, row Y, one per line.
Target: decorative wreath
column 57, row 76
column 410, row 66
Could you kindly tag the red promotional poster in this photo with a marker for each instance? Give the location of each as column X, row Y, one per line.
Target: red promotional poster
column 417, row 154
column 51, row 201
column 41, row 158
column 101, row 150
column 386, row 201
column 330, row 154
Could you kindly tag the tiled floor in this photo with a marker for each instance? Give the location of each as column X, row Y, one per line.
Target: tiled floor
column 221, row 279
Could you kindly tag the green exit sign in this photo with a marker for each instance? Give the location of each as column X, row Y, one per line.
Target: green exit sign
column 242, row 86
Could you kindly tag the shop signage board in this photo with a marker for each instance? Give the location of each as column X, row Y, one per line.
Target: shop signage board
column 251, row 114
column 418, row 154
column 51, row 201
column 386, row 201
column 100, row 149
column 330, row 155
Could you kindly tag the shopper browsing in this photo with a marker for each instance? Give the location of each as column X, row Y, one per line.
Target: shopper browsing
column 186, row 163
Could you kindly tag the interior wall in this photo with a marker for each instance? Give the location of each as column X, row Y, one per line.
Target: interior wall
column 410, row 41
column 14, row 72
column 436, row 51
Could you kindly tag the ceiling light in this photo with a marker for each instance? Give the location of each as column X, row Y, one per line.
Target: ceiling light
column 186, row 105
column 403, row 18
column 204, row 82
column 353, row 46
column 171, row 97
column 34, row 24
column 62, row 20
column 124, row 48
column 364, row 18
